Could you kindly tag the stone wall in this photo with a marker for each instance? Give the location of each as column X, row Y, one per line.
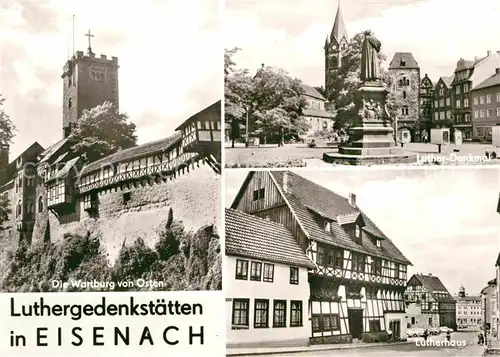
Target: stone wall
column 194, row 198
column 412, row 93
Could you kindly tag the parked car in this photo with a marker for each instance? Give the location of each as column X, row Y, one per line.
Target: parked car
column 445, row 329
column 434, row 331
column 415, row 332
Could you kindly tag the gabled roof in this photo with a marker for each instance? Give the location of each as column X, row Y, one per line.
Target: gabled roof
column 253, row 237
column 434, row 286
column 338, row 30
column 447, row 80
column 51, row 150
column 213, row 110
column 493, row 81
column 498, row 260
column 32, row 148
column 407, row 58
column 134, row 152
column 305, row 198
column 312, row 92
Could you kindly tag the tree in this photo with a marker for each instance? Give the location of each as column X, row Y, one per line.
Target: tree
column 102, row 131
column 7, row 128
column 279, row 102
column 237, row 93
column 5, row 209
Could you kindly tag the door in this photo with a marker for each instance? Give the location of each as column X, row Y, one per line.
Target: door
column 355, row 322
column 395, row 327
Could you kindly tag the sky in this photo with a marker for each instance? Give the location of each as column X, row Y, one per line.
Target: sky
column 443, row 220
column 169, row 52
column 290, row 34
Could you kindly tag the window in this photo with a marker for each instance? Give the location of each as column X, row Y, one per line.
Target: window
column 295, row 313
column 488, row 113
column 40, row 204
column 466, row 102
column 481, row 113
column 429, row 306
column 240, row 313
column 376, row 266
column 294, row 276
column 328, row 226
column 457, row 104
column 396, row 271
column 481, row 99
column 259, row 194
column 358, row 232
column 404, row 110
column 498, row 111
column 126, row 197
column 476, row 101
column 279, row 319
column 320, row 255
column 358, row 262
column 498, row 97
column 261, row 314
column 448, row 101
column 476, row 113
column 436, row 103
column 488, row 98
column 441, row 102
column 413, row 320
column 256, row 271
column 325, row 323
column 457, row 90
column 268, row 273
column 436, row 116
column 403, row 63
column 374, row 325
column 441, row 91
column 70, row 103
column 19, row 209
column 241, row 269
column 339, row 259
column 466, row 87
column 404, row 94
column 378, row 243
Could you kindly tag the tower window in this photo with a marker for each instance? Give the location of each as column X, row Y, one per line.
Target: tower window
column 70, row 104
column 403, row 63
column 70, row 81
column 40, row 204
column 404, row 94
column 404, row 110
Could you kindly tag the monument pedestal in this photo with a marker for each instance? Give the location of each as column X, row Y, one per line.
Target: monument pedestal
column 371, row 139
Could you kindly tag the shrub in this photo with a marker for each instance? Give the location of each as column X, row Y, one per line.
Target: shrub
column 372, row 337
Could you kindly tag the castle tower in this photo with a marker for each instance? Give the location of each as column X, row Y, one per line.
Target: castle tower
column 335, row 47
column 88, row 82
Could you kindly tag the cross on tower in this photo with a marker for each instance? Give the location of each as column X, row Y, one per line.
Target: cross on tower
column 89, row 35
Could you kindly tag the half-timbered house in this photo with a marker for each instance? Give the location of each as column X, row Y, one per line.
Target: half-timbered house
column 437, row 305
column 359, row 278
column 267, row 289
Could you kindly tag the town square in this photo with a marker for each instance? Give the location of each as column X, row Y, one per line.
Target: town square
column 294, row 98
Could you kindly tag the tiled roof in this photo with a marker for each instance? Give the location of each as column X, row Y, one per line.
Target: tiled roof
column 312, row 92
column 51, row 150
column 303, row 193
column 309, row 112
column 466, row 298
column 253, row 237
column 407, row 57
column 447, row 81
column 434, row 286
column 134, row 152
column 489, row 82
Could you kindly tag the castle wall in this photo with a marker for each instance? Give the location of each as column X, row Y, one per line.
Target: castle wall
column 193, row 197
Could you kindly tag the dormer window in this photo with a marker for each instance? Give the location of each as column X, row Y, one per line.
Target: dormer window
column 358, row 232
column 259, row 194
column 378, row 243
column 403, row 63
column 328, row 226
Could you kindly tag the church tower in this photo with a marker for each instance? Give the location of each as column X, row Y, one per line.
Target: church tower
column 461, row 291
column 335, row 47
column 88, row 82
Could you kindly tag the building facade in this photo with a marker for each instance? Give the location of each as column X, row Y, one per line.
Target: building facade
column 358, row 282
column 469, row 309
column 486, row 107
column 267, row 290
column 490, row 305
column 404, row 73
column 426, row 105
column 469, row 74
column 437, row 305
column 442, row 108
column 52, row 190
column 315, row 114
column 336, row 44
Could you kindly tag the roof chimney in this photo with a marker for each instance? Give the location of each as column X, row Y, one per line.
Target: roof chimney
column 488, row 53
column 286, row 187
column 352, row 200
column 497, row 70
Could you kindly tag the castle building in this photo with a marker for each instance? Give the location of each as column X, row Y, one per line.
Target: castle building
column 486, row 107
column 404, row 72
column 469, row 74
column 442, row 109
column 359, row 275
column 426, row 107
column 433, row 301
column 52, row 190
column 335, row 46
column 469, row 308
column 315, row 113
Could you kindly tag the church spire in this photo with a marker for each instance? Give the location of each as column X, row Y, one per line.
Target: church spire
column 339, row 31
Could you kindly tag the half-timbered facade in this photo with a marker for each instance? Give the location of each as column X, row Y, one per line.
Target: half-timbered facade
column 437, row 305
column 267, row 289
column 359, row 279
